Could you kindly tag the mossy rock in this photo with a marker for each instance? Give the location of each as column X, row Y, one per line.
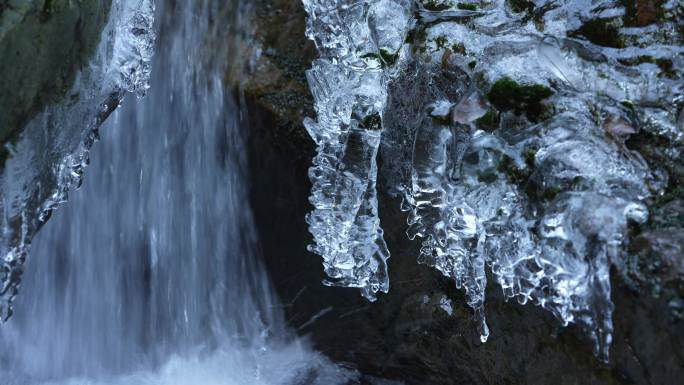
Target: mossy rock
column 519, row 6
column 467, row 6
column 665, row 64
column 489, row 121
column 435, row 6
column 372, row 122
column 508, row 95
column 602, row 32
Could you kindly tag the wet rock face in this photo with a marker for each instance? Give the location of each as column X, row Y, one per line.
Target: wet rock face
column 43, row 44
column 408, row 333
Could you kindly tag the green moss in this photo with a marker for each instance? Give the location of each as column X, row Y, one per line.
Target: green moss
column 387, row 57
column 666, row 66
column 580, row 183
column 441, row 42
column 489, row 121
column 417, row 38
column 372, row 122
column 513, row 173
column 507, row 95
column 487, row 176
column 633, row 61
column 411, row 36
column 420, row 36
column 601, row 32
column 4, row 155
column 49, row 7
column 518, row 6
column 467, row 6
column 529, row 156
column 550, row 193
column 472, row 64
column 528, row 11
column 371, row 55
column 442, row 120
column 628, row 104
column 459, row 48
column 433, row 5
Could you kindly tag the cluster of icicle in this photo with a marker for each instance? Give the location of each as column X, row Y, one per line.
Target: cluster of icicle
column 49, row 158
column 544, row 202
column 349, row 85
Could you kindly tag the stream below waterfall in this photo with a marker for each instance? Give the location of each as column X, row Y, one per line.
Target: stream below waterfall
column 151, row 273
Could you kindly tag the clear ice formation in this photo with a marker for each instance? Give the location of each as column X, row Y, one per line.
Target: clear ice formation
column 503, row 132
column 358, row 41
column 49, row 158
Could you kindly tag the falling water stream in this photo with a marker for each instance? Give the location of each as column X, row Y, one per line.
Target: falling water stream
column 151, row 273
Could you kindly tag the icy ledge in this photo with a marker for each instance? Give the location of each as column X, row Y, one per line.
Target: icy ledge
column 49, row 158
column 502, row 126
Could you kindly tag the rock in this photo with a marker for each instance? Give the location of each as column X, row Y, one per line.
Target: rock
column 407, row 335
column 43, row 44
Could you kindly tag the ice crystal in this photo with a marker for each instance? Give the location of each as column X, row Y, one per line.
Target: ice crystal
column 359, row 42
column 49, row 158
column 503, row 131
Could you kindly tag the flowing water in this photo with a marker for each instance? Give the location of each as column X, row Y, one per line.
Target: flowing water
column 151, row 273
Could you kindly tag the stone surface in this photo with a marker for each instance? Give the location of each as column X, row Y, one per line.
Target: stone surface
column 407, row 334
column 43, row 44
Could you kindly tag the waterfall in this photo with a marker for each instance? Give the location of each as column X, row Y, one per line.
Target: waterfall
column 151, row 273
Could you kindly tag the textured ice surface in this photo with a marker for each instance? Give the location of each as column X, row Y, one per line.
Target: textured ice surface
column 503, row 129
column 49, row 158
column 359, row 42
